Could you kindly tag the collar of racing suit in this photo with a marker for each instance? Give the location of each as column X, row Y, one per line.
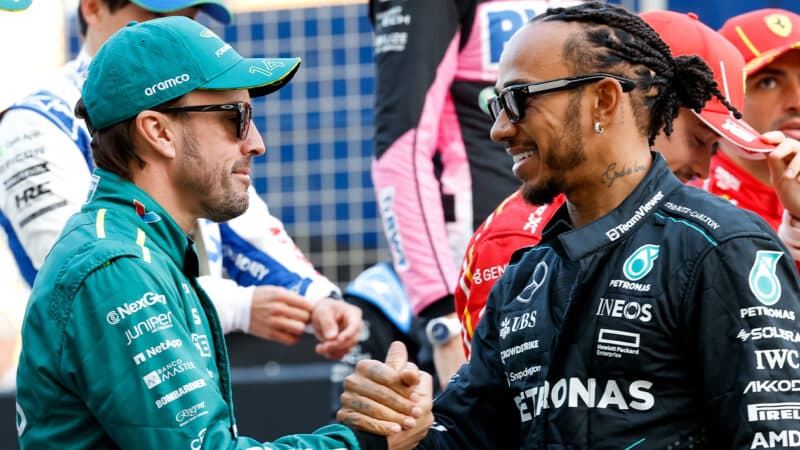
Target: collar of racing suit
column 648, row 196
column 155, row 227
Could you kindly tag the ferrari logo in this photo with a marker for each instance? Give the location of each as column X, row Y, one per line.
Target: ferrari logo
column 779, row 24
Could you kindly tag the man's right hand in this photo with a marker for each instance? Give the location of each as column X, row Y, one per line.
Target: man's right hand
column 278, row 314
column 392, row 399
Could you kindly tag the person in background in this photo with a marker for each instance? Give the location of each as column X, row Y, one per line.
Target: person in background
column 769, row 40
column 271, row 289
column 437, row 174
column 11, row 284
column 611, row 332
column 121, row 346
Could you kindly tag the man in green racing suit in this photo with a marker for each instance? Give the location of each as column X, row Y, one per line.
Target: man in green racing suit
column 121, row 347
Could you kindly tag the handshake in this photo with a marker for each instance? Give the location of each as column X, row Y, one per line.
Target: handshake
column 392, row 399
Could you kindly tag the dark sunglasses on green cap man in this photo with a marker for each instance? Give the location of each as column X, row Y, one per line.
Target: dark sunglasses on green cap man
column 214, row 8
column 147, row 64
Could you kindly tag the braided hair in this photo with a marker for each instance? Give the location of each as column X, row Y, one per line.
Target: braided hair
column 616, row 40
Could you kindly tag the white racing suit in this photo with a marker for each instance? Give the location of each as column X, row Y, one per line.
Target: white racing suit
column 45, row 170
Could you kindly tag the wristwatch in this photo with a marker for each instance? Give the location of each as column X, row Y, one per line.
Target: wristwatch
column 441, row 329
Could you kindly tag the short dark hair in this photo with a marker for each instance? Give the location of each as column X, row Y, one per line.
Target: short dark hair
column 112, row 147
column 112, row 5
column 618, row 41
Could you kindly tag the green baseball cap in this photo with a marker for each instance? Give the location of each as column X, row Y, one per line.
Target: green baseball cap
column 146, row 64
column 14, row 5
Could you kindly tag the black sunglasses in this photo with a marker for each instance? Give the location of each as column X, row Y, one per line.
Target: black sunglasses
column 244, row 113
column 512, row 99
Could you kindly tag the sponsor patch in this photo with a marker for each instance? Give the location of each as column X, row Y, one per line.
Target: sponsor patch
column 616, row 344
column 514, row 324
column 640, row 263
column 536, row 281
column 180, row 392
column 763, row 281
column 590, row 393
column 760, row 412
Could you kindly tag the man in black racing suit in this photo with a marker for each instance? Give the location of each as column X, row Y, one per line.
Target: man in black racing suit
column 652, row 315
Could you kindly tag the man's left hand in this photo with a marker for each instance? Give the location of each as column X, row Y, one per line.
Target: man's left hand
column 784, row 167
column 336, row 325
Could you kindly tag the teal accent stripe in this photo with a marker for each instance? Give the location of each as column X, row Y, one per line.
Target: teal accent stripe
column 690, row 225
column 635, row 444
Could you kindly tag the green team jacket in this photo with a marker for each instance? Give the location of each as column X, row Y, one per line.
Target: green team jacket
column 121, row 348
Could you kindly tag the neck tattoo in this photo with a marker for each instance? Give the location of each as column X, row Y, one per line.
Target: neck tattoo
column 612, row 173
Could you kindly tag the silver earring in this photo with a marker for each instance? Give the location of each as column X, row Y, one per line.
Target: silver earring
column 597, row 128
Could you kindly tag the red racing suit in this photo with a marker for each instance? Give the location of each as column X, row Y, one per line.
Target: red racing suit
column 513, row 225
column 729, row 181
column 436, row 172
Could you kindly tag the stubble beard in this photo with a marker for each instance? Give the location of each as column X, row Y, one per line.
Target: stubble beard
column 559, row 163
column 213, row 184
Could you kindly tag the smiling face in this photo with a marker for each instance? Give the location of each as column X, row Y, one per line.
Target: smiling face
column 772, row 100
column 547, row 144
column 212, row 165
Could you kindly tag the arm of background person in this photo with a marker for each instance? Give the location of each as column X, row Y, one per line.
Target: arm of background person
column 269, row 312
column 45, row 175
column 257, row 251
column 784, row 167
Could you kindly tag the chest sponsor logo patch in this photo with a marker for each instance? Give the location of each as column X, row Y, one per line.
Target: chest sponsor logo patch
column 616, row 343
column 534, row 283
column 640, row 263
column 514, row 324
column 763, row 280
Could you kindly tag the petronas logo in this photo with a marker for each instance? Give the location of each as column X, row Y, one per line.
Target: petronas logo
column 640, row 263
column 763, row 281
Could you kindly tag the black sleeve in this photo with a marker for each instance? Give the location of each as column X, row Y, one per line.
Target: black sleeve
column 741, row 326
column 477, row 410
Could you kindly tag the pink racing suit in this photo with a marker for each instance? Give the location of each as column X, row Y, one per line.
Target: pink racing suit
column 436, row 172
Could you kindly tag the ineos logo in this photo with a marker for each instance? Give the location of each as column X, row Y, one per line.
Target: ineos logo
column 537, row 280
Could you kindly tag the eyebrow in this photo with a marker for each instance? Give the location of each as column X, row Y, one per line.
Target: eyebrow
column 768, row 71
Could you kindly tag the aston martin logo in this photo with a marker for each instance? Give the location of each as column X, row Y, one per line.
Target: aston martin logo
column 269, row 67
column 779, row 24
column 206, row 33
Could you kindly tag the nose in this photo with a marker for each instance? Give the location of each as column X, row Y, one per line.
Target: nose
column 502, row 128
column 254, row 144
column 791, row 97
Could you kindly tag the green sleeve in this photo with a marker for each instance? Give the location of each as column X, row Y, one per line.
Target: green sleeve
column 138, row 350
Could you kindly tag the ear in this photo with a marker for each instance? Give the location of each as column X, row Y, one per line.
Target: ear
column 90, row 9
column 157, row 131
column 607, row 102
